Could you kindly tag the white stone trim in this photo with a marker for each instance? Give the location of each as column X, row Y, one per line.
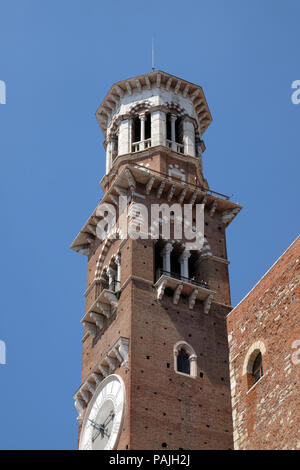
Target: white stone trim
column 253, row 351
column 192, row 357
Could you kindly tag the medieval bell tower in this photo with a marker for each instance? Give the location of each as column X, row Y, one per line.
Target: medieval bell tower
column 155, row 371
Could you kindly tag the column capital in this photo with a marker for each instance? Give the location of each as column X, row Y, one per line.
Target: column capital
column 184, row 255
column 110, row 271
column 193, row 357
column 167, row 248
column 142, row 117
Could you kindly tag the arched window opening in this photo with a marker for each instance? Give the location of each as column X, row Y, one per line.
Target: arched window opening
column 257, row 370
column 179, row 130
column 168, row 124
column 185, row 359
column 183, row 362
column 136, row 129
column 148, row 126
column 175, row 263
column 115, row 147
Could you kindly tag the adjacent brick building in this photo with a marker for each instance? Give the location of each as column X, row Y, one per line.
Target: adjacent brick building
column 264, row 355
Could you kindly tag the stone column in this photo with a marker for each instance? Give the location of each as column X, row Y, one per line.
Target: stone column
column 114, row 148
column 108, row 155
column 166, row 254
column 124, row 137
column 142, row 119
column 173, row 133
column 118, row 262
column 189, row 137
column 184, row 263
column 111, row 278
column 193, row 365
column 158, row 128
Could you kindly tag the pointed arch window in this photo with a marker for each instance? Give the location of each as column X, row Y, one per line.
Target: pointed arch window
column 185, row 359
column 183, row 362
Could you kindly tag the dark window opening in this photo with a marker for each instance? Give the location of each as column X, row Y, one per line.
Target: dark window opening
column 257, row 370
column 136, row 130
column 168, row 124
column 179, row 130
column 175, row 264
column 183, row 362
column 148, row 126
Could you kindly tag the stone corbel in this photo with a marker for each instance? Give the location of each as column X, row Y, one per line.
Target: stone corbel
column 182, row 196
column 204, row 200
column 207, row 303
column 111, row 298
column 91, row 387
column 98, row 319
column 91, row 328
column 114, row 199
column 160, row 189
column 117, row 354
column 171, row 192
column 229, row 215
column 177, row 294
column 97, row 378
column 123, row 351
column 213, row 207
column 112, row 362
column 130, row 179
column 192, row 298
column 150, row 184
column 193, row 198
column 85, row 394
column 104, row 370
column 80, row 406
column 161, row 289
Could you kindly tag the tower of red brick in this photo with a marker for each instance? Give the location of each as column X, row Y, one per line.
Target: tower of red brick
column 155, row 310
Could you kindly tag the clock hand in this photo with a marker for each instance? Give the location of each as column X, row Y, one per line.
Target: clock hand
column 99, row 427
column 109, row 418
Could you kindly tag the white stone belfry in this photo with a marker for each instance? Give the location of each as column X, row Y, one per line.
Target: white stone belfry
column 148, row 104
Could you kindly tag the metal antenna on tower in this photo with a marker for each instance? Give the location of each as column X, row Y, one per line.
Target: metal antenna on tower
column 153, row 55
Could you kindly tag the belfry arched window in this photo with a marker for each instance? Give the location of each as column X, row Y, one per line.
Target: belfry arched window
column 185, row 359
column 136, row 129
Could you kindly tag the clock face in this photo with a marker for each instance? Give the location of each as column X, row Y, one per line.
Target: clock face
column 104, row 416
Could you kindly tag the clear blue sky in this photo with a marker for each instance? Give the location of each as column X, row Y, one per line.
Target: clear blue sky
column 58, row 59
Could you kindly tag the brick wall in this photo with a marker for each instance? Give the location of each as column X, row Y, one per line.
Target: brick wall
column 267, row 415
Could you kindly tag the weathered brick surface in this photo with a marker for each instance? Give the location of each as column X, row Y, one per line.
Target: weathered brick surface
column 267, row 416
column 183, row 412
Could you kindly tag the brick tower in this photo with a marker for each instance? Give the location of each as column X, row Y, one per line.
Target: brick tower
column 155, row 371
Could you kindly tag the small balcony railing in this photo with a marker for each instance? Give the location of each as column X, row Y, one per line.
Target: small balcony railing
column 114, row 286
column 161, row 272
column 179, row 148
column 142, row 145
